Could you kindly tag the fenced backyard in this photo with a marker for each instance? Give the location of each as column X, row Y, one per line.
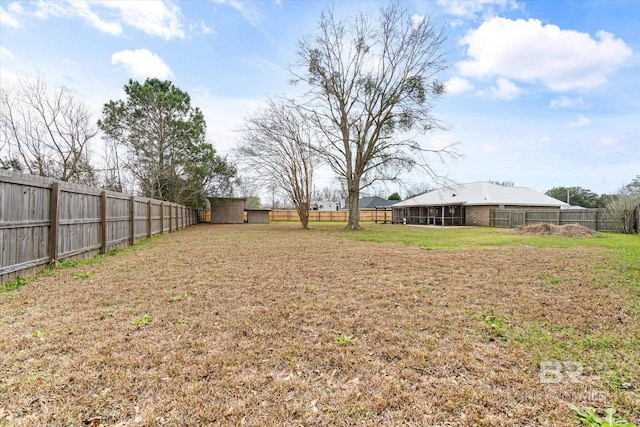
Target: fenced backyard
column 595, row 219
column 43, row 220
column 272, row 325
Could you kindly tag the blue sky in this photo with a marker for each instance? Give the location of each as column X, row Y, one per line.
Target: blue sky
column 541, row 93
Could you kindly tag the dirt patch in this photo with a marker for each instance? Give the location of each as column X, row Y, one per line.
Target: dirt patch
column 567, row 230
column 276, row 326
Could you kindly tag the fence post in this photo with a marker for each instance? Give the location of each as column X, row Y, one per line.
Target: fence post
column 54, row 218
column 161, row 217
column 132, row 223
column 149, row 221
column 170, row 217
column 103, row 222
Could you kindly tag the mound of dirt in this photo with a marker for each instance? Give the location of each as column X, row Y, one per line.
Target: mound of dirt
column 568, row 230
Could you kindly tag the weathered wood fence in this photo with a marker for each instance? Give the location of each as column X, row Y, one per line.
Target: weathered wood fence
column 334, row 216
column 43, row 220
column 595, row 219
column 382, row 216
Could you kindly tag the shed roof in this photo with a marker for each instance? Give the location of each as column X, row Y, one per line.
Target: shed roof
column 482, row 193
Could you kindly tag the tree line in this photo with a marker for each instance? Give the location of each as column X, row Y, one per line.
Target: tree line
column 623, row 206
column 154, row 141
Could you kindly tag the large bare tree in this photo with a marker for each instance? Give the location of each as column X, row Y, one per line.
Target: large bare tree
column 47, row 132
column 277, row 151
column 372, row 86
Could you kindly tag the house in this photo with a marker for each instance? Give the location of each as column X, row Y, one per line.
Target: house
column 371, row 203
column 468, row 204
column 324, row 205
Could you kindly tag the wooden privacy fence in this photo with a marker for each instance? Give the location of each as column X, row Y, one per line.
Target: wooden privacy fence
column 43, row 220
column 333, row 216
column 595, row 219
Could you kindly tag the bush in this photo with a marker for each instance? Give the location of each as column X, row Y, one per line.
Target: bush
column 623, row 210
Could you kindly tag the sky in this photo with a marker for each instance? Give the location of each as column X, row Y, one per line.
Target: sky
column 539, row 93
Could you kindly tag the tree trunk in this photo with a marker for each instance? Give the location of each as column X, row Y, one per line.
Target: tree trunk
column 303, row 214
column 354, row 197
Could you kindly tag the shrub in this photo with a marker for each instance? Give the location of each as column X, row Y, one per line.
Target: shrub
column 623, row 210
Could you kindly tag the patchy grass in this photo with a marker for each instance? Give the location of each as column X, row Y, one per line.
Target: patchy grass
column 344, row 339
column 284, row 326
column 14, row 284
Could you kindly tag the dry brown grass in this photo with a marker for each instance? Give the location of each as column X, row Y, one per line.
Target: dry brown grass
column 244, row 321
column 567, row 230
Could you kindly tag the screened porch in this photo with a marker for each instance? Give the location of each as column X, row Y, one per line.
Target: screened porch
column 429, row 215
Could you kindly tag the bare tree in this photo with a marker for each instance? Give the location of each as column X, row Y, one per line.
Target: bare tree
column 418, row 188
column 48, row 131
column 623, row 208
column 277, row 150
column 372, row 88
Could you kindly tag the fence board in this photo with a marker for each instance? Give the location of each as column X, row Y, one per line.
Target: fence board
column 595, row 219
column 43, row 220
column 332, row 216
column 540, row 216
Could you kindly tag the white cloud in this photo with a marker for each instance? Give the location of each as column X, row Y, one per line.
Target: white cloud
column 5, row 54
column 15, row 7
column 438, row 141
column 248, row 12
column 156, row 18
column 8, row 19
column 458, row 85
column 46, row 9
column 416, row 20
column 581, row 121
column 82, row 9
column 453, row 23
column 78, row 8
column 530, row 52
column 142, row 63
column 505, row 90
column 565, row 102
column 200, row 28
column 205, row 29
column 469, row 9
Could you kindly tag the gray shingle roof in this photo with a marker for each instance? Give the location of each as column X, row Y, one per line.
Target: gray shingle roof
column 373, row 202
column 482, row 193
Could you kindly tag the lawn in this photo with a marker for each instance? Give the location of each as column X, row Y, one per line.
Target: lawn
column 265, row 325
